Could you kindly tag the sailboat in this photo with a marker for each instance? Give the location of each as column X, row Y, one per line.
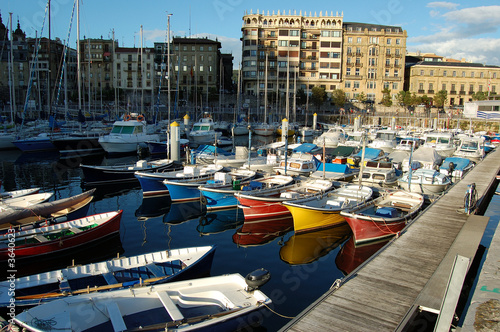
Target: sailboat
column 264, row 129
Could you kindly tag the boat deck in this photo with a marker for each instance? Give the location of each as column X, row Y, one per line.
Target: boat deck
column 411, row 271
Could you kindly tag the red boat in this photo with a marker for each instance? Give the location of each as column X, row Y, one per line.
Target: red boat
column 38, row 242
column 383, row 217
column 257, row 206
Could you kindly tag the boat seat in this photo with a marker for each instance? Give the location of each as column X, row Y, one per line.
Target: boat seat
column 75, row 230
column 157, row 272
column 402, row 206
column 172, row 309
column 110, row 278
column 116, row 316
column 41, row 238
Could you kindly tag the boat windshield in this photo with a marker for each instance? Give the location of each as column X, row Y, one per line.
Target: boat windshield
column 385, row 136
column 352, row 138
column 203, row 127
column 437, row 139
column 123, row 129
column 469, row 145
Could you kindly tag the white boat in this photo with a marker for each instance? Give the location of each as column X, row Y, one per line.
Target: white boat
column 331, row 138
column 264, row 129
column 380, row 174
column 24, row 202
column 423, row 157
column 385, row 140
column 424, row 181
column 18, row 193
column 354, row 138
column 298, row 164
column 239, row 129
column 203, row 132
column 406, row 144
column 442, row 142
column 127, row 135
column 471, row 148
column 118, row 273
column 221, row 303
column 6, row 141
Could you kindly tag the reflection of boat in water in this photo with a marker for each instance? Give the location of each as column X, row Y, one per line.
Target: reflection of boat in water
column 257, row 232
column 153, row 207
column 352, row 255
column 180, row 212
column 307, row 247
column 220, row 221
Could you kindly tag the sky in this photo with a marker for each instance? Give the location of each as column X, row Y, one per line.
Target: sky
column 458, row 29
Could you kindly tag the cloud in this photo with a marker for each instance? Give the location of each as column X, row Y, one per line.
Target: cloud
column 443, row 4
column 434, row 13
column 475, row 15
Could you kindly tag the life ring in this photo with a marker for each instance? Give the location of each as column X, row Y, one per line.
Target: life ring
column 127, row 117
column 140, row 118
column 203, row 200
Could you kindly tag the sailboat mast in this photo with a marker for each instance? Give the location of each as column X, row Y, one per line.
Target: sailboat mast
column 168, row 67
column 49, row 106
column 265, row 93
column 79, row 82
column 142, row 71
column 11, row 72
column 287, row 100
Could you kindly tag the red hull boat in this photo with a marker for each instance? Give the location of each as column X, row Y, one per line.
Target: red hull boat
column 39, row 242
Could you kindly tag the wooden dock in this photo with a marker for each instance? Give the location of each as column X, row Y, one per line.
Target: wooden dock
column 412, row 271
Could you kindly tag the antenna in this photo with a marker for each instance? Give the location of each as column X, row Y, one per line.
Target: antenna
column 189, row 21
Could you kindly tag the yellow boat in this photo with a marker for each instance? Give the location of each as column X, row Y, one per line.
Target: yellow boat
column 314, row 213
column 291, row 132
column 307, row 247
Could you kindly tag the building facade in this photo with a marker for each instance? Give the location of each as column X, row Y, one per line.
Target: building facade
column 320, row 50
column 135, row 77
column 460, row 80
column 373, row 60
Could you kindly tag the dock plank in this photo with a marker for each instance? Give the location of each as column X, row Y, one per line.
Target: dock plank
column 378, row 295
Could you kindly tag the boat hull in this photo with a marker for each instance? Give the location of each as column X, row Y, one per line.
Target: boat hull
column 78, row 145
column 111, row 174
column 183, row 192
column 57, row 246
column 255, row 209
column 308, row 220
column 35, row 145
column 219, row 200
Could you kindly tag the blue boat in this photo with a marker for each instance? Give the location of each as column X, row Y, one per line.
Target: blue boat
column 152, row 183
column 42, row 142
column 160, row 148
column 217, row 198
column 187, row 190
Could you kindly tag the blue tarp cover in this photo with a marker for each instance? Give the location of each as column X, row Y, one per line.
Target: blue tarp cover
column 459, row 163
column 370, row 153
column 335, row 168
column 305, row 148
column 387, row 212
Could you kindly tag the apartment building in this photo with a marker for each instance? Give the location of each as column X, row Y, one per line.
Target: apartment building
column 196, row 65
column 320, row 50
column 373, row 60
column 460, row 80
column 135, row 70
column 96, row 67
column 295, row 51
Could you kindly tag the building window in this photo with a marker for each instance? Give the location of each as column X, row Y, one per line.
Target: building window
column 387, row 73
column 356, row 85
column 463, row 74
column 294, row 33
column 462, row 87
column 349, row 40
column 421, row 73
column 471, row 87
column 454, row 74
column 386, row 85
column 481, row 75
column 358, row 40
column 396, row 73
column 431, row 86
column 283, row 43
column 421, row 86
column 348, row 71
column 431, row 73
column 472, row 74
column 480, row 88
column 347, row 84
column 444, row 73
column 356, row 73
column 388, row 41
column 443, row 87
column 394, row 86
column 494, row 75
column 398, row 41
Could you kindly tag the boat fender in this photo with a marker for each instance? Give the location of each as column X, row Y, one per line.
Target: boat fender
column 257, row 279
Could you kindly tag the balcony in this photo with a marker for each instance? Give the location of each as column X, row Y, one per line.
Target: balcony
column 453, row 92
column 359, row 54
column 388, row 65
column 430, row 91
column 462, row 92
column 350, row 64
column 354, row 77
column 471, row 92
column 358, row 64
column 421, row 91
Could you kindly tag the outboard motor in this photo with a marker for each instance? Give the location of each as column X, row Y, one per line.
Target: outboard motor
column 356, row 160
column 451, row 168
column 257, row 279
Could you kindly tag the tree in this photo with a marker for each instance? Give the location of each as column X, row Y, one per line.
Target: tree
column 386, row 97
column 301, row 97
column 440, row 98
column 480, row 95
column 318, row 96
column 362, row 97
column 338, row 97
column 404, row 99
